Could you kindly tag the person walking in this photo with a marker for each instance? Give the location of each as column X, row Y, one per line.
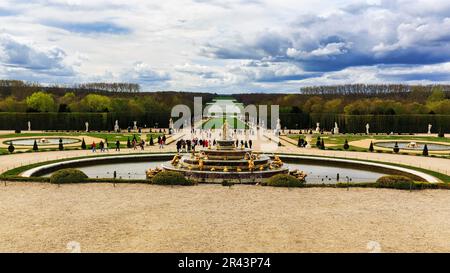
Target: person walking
column 101, row 146
column 106, row 148
column 178, row 146
column 163, row 140
column 250, row 143
column 93, row 147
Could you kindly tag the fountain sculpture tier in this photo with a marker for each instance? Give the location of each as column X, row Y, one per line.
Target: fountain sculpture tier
column 226, row 163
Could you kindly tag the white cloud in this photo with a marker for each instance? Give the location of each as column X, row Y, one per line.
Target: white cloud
column 261, row 45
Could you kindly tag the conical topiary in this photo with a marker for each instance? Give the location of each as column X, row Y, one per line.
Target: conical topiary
column 322, row 145
column 151, row 140
column 318, row 143
column 61, row 146
column 35, row 146
column 371, row 147
column 396, row 148
column 425, row 150
column 128, row 143
column 346, row 146
column 11, row 148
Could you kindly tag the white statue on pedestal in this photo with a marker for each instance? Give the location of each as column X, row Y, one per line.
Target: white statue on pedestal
column 318, row 127
column 429, row 128
column 29, row 125
column 87, row 126
column 171, row 125
column 278, row 127
column 135, row 125
column 336, row 128
column 116, row 126
column 367, row 128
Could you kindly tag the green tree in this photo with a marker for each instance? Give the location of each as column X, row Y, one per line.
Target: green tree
column 65, row 102
column 41, row 102
column 95, row 103
column 11, row 104
column 333, row 106
column 437, row 94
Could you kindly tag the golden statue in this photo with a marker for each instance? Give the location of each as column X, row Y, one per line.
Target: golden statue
column 200, row 164
column 175, row 159
column 225, row 169
column 251, row 165
column 225, row 130
column 277, row 162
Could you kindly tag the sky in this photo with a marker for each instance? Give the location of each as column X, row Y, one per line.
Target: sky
column 226, row 46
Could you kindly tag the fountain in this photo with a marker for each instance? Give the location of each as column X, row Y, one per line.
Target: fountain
column 225, row 163
column 412, row 145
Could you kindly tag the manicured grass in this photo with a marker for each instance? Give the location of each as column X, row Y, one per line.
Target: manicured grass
column 216, row 123
column 443, row 177
column 18, row 170
column 109, row 136
column 339, row 140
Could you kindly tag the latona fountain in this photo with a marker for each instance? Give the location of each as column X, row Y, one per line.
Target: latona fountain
column 225, row 163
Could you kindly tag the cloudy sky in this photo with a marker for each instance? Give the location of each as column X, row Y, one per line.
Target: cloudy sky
column 226, row 45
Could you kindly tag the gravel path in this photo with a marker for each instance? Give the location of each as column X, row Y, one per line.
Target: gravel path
column 212, row 218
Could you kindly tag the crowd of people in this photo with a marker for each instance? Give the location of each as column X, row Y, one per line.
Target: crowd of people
column 188, row 145
column 134, row 144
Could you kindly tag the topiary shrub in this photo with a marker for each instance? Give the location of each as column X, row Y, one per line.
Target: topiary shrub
column 346, row 146
column 284, row 180
column 395, row 182
column 61, row 146
column 11, row 148
column 68, row 176
column 396, row 148
column 171, row 178
column 425, row 150
column 83, row 144
column 371, row 147
column 318, row 143
column 151, row 141
column 35, row 146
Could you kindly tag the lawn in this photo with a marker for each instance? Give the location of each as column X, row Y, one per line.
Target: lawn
column 339, row 140
column 109, row 136
column 216, row 123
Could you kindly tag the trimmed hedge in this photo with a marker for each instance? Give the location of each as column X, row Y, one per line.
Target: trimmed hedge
column 68, row 176
column 284, row 180
column 171, row 178
column 394, row 181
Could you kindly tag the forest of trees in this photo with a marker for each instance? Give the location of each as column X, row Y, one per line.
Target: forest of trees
column 328, row 104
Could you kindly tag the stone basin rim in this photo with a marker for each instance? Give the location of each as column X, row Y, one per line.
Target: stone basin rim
column 426, row 177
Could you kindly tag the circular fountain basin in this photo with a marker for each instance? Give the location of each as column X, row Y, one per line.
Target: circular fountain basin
column 417, row 147
column 319, row 170
column 41, row 141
